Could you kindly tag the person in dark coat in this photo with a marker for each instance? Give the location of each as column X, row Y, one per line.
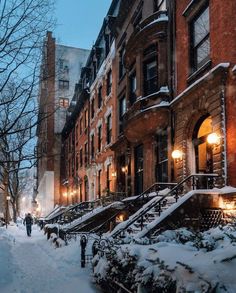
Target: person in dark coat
column 28, row 222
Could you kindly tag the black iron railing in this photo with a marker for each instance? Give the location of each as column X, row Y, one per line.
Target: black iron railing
column 144, row 196
column 192, row 182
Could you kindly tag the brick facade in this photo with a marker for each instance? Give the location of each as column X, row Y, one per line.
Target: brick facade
column 215, row 92
column 164, row 92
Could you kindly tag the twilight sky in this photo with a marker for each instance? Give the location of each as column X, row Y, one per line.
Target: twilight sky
column 79, row 21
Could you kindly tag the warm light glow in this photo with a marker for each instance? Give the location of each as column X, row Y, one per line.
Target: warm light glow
column 120, row 218
column 226, row 205
column 176, row 155
column 213, row 138
column 8, row 197
column 74, row 192
column 38, row 209
column 113, row 174
column 124, row 169
column 65, row 194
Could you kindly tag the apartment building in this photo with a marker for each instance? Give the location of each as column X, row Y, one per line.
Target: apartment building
column 155, row 101
column 88, row 161
column 60, row 71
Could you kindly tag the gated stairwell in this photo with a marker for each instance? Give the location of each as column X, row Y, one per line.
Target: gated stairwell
column 164, row 201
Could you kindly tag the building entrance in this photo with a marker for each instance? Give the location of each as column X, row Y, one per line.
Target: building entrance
column 203, row 151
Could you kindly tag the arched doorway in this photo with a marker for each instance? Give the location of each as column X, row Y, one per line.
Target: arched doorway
column 203, row 151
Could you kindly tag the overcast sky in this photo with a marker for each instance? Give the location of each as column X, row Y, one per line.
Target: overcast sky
column 79, row 21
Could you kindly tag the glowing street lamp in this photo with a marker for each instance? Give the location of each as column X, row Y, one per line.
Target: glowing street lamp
column 177, row 155
column 213, row 139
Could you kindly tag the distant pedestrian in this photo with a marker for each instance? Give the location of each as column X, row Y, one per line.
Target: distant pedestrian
column 28, row 222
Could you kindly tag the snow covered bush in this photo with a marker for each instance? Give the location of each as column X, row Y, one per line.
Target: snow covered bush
column 179, row 261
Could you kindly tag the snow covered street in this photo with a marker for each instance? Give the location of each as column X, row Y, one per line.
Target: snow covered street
column 33, row 265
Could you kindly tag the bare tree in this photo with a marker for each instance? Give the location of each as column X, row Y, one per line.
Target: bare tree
column 23, row 26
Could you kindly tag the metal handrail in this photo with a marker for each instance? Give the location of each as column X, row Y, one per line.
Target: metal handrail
column 145, row 192
column 172, row 191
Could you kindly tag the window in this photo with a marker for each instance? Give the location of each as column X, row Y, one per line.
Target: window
column 107, row 44
column 63, row 84
column 108, row 177
column 162, row 157
column 94, row 69
column 80, row 125
column 132, row 88
column 92, row 147
column 69, row 167
column 99, row 183
column 99, row 138
column 99, row 97
column 200, row 40
column 76, row 133
column 81, row 158
column 73, row 166
column 86, row 188
column 121, row 62
column 150, row 77
column 64, row 66
column 86, row 154
column 69, row 145
column 85, row 118
column 77, row 162
column 159, row 5
column 64, row 102
column 109, row 82
column 109, row 129
column 122, row 110
column 92, row 109
column 137, row 16
column 81, row 192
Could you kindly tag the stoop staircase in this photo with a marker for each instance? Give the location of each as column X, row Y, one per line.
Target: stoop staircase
column 165, row 203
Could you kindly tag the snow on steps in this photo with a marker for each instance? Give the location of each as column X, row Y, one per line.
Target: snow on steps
column 176, row 205
column 125, row 224
column 167, row 210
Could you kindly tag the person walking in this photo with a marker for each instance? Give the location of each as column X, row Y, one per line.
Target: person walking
column 28, row 222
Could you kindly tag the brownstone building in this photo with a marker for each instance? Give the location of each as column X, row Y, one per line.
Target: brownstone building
column 143, row 94
column 156, row 100
column 88, row 169
column 204, row 92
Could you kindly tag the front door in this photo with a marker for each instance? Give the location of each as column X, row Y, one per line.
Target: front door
column 138, row 156
column 203, row 151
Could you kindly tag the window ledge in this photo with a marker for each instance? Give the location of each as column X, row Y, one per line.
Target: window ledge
column 198, row 72
column 192, row 7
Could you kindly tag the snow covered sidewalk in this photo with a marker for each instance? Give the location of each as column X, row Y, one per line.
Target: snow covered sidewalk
column 32, row 265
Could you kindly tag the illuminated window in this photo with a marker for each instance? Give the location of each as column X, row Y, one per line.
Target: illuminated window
column 64, row 102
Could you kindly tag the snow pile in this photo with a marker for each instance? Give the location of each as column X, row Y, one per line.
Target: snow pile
column 31, row 265
column 178, row 261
